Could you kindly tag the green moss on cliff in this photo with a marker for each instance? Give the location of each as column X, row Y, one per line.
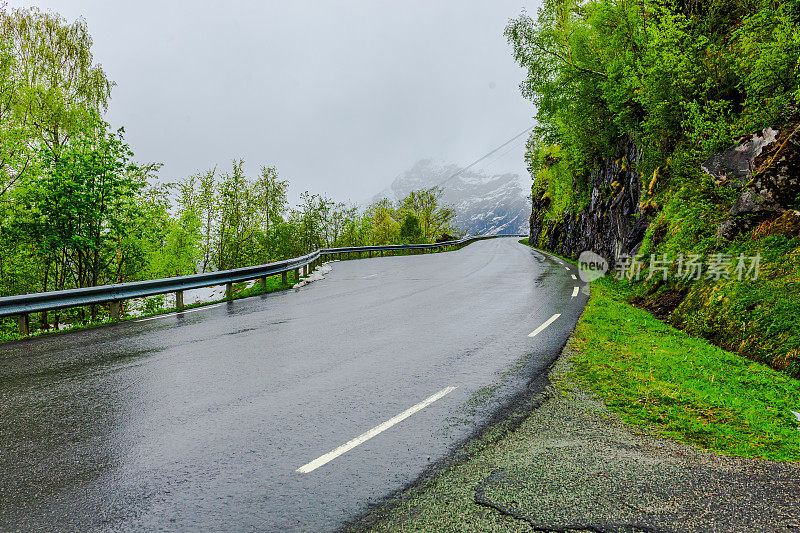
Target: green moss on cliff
column 760, row 318
column 555, row 185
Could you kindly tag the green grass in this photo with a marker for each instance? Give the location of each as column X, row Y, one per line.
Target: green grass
column 683, row 387
column 759, row 319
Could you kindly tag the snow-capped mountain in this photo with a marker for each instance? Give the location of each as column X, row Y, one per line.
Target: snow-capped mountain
column 485, row 204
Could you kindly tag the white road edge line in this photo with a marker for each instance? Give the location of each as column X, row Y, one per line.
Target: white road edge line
column 543, row 326
column 346, row 447
column 202, row 308
column 574, row 277
column 575, row 291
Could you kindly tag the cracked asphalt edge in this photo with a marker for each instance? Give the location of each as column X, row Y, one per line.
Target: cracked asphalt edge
column 502, row 421
column 582, row 469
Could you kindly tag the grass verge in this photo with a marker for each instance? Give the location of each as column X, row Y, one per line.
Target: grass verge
column 683, row 387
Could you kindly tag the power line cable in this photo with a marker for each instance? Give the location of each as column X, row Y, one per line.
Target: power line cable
column 514, row 138
column 500, row 156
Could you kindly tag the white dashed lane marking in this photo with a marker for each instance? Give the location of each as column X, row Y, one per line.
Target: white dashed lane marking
column 364, row 437
column 543, row 326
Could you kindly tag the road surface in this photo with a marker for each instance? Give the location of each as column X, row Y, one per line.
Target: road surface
column 291, row 411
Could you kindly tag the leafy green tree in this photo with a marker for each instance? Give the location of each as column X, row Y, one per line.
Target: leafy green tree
column 238, row 216
column 672, row 75
column 434, row 218
column 80, row 207
column 198, row 194
column 15, row 158
column 272, row 191
column 385, row 226
column 57, row 88
column 51, row 93
column 356, row 227
column 311, row 218
column 172, row 244
column 410, row 232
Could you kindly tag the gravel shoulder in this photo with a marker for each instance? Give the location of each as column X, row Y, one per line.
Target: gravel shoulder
column 572, row 465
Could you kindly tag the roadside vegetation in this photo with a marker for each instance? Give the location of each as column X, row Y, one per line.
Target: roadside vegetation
column 681, row 386
column 78, row 210
column 680, row 80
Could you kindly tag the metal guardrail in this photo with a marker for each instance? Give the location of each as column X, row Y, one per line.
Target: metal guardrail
column 24, row 304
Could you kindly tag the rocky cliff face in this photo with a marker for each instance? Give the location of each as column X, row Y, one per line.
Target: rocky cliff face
column 613, row 224
column 764, row 166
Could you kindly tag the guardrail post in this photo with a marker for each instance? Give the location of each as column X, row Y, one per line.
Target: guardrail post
column 283, row 277
column 24, row 325
column 305, row 270
column 179, row 299
column 228, row 291
column 263, row 283
column 296, row 275
column 114, row 309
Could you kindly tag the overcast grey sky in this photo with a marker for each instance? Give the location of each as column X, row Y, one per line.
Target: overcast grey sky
column 340, row 96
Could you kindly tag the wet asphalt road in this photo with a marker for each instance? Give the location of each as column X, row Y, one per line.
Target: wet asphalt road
column 200, row 421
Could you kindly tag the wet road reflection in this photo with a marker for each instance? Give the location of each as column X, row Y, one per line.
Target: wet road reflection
column 201, row 421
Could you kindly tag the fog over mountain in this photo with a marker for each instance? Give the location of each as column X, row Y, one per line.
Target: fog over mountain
column 484, row 203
